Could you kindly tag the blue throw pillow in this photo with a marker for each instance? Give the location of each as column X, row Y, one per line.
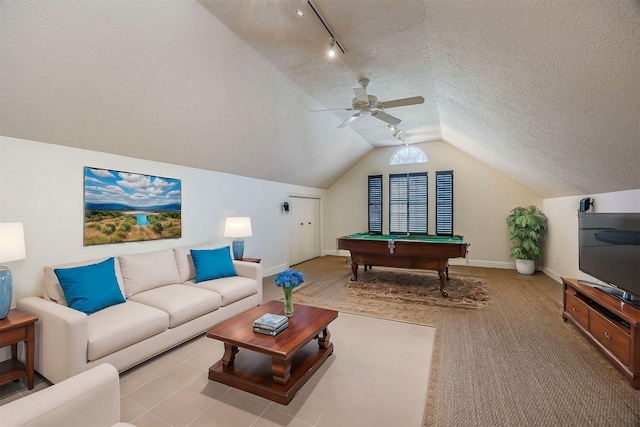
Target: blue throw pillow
column 213, row 263
column 90, row 288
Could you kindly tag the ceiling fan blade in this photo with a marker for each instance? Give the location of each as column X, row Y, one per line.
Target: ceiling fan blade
column 404, row 101
column 386, row 117
column 361, row 94
column 349, row 121
column 333, row 109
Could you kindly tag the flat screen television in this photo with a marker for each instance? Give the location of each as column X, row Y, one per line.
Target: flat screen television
column 609, row 250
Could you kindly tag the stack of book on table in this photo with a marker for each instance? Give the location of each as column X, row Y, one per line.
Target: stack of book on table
column 270, row 324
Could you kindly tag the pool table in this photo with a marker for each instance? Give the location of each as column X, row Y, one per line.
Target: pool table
column 417, row 252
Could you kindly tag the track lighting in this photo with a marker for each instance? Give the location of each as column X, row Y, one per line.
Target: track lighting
column 334, row 41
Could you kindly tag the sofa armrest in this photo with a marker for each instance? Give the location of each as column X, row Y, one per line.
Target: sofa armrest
column 91, row 398
column 62, row 336
column 252, row 270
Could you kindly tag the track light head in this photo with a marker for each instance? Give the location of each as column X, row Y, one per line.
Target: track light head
column 302, row 9
column 332, row 48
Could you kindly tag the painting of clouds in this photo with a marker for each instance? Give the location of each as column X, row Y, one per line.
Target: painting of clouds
column 130, row 207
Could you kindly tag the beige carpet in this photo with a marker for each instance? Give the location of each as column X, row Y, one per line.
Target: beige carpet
column 509, row 361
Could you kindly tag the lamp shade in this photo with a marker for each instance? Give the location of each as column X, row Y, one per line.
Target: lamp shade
column 12, row 242
column 237, row 226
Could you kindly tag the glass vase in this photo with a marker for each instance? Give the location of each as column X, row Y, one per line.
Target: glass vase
column 288, row 301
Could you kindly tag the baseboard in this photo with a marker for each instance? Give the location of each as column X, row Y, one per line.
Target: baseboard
column 482, row 263
column 274, row 270
column 549, row 272
column 336, row 252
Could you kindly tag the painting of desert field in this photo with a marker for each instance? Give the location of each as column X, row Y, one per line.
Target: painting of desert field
column 129, row 207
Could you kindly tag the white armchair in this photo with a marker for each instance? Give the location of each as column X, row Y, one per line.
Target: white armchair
column 91, row 398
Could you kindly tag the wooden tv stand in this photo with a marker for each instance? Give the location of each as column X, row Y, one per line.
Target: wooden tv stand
column 611, row 325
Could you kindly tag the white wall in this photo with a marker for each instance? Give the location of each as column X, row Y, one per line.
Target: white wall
column 482, row 199
column 42, row 185
column 561, row 246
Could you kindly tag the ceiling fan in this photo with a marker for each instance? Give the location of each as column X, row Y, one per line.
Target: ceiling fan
column 368, row 105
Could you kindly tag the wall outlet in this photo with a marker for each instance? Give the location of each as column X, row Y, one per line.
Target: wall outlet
column 557, row 260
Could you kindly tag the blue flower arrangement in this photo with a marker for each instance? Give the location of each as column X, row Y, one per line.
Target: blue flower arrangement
column 289, row 279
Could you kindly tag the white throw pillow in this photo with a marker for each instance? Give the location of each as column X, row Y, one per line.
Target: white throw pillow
column 141, row 272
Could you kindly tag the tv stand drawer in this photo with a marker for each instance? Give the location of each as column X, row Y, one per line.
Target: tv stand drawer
column 610, row 336
column 578, row 310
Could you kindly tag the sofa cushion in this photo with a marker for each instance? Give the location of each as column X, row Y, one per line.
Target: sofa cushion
column 141, row 272
column 213, row 263
column 90, row 288
column 121, row 326
column 182, row 303
column 184, row 261
column 231, row 289
column 52, row 289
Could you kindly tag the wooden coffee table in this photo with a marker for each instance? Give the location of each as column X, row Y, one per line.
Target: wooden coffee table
column 275, row 367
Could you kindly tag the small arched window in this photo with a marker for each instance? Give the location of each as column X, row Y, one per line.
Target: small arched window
column 408, row 155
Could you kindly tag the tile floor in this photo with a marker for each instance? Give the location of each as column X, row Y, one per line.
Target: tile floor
column 377, row 376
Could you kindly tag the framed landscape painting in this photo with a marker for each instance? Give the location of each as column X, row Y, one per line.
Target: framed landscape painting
column 129, row 207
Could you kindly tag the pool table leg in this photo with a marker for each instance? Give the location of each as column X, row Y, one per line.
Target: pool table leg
column 446, row 270
column 442, row 279
column 354, row 269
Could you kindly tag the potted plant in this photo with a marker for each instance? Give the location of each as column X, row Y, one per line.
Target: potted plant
column 527, row 226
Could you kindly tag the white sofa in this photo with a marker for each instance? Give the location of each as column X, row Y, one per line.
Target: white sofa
column 91, row 398
column 164, row 307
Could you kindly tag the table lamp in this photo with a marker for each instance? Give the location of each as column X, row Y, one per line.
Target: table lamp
column 238, row 227
column 11, row 249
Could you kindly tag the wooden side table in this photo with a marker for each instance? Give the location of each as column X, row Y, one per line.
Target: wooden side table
column 256, row 260
column 17, row 326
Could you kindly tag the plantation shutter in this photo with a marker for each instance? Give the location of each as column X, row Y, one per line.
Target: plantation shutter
column 444, row 203
column 408, row 203
column 375, row 204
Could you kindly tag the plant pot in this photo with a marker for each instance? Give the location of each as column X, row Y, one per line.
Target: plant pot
column 525, row 266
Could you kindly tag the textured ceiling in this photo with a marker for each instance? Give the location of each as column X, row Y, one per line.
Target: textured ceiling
column 546, row 92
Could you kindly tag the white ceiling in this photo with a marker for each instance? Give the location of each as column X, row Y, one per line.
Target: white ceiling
column 547, row 92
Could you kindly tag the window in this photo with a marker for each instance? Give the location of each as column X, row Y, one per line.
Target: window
column 444, row 203
column 375, row 204
column 408, row 203
column 408, row 155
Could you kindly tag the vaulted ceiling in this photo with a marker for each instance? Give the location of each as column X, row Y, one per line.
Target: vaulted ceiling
column 547, row 92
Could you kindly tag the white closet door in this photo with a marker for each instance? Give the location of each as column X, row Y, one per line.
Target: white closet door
column 312, row 229
column 304, row 229
column 296, row 230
